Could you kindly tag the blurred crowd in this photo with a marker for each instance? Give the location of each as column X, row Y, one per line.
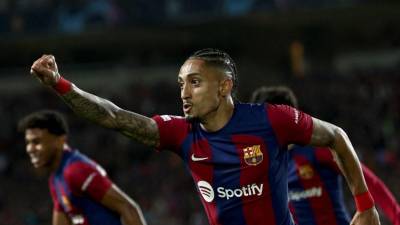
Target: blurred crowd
column 74, row 16
column 365, row 104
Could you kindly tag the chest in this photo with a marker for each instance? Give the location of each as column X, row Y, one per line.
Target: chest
column 64, row 194
column 244, row 157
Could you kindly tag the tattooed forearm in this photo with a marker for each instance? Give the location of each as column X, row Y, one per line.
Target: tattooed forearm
column 91, row 107
column 107, row 114
column 138, row 127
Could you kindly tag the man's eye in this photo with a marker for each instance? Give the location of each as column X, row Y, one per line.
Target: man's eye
column 195, row 82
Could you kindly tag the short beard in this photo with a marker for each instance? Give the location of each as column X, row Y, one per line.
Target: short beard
column 192, row 119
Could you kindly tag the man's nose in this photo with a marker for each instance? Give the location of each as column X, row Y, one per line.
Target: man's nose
column 185, row 91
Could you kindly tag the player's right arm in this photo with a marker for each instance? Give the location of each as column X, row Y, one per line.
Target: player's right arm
column 130, row 212
column 98, row 110
column 59, row 218
column 295, row 127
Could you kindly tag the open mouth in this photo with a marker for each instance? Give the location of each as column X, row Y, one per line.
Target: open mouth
column 187, row 107
column 34, row 159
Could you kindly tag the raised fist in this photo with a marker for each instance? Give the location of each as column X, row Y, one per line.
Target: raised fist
column 45, row 69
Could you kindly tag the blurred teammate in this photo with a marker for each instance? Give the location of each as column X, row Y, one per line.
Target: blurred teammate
column 81, row 191
column 236, row 153
column 315, row 181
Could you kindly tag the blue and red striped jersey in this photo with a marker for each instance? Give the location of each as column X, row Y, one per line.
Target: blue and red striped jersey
column 315, row 187
column 241, row 170
column 77, row 187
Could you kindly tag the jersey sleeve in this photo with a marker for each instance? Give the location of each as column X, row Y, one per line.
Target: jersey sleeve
column 383, row 198
column 172, row 130
column 56, row 204
column 87, row 179
column 290, row 125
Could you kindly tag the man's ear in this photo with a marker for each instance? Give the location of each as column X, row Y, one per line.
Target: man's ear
column 62, row 140
column 225, row 87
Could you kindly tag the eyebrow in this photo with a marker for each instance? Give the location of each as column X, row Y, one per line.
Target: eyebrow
column 189, row 75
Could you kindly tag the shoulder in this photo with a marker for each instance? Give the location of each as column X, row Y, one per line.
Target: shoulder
column 171, row 122
column 279, row 111
column 79, row 166
column 250, row 107
column 167, row 118
column 254, row 111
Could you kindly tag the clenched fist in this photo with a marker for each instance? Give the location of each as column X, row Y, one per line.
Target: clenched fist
column 45, row 69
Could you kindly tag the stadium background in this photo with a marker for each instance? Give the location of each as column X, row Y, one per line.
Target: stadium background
column 342, row 58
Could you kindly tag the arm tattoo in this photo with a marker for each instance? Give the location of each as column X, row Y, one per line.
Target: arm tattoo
column 105, row 113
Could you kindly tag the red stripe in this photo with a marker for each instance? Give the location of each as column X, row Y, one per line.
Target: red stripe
column 293, row 212
column 203, row 171
column 256, row 209
column 322, row 206
column 56, row 203
column 325, row 157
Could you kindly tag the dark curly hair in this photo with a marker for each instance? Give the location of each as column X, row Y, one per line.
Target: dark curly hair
column 53, row 121
column 274, row 95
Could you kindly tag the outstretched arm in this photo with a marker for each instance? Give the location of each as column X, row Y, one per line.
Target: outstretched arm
column 98, row 110
column 329, row 135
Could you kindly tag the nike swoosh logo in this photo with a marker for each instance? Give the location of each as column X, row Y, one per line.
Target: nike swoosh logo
column 194, row 158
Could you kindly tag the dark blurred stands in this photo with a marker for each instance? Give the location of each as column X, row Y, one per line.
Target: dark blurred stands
column 341, row 58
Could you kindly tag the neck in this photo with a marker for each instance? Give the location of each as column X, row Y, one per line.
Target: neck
column 57, row 159
column 217, row 119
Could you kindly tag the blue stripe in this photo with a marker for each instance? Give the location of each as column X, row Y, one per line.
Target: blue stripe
column 227, row 175
column 336, row 195
column 185, row 149
column 278, row 169
column 302, row 208
column 332, row 182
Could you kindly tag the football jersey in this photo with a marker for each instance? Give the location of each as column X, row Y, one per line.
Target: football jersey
column 77, row 187
column 240, row 171
column 315, row 187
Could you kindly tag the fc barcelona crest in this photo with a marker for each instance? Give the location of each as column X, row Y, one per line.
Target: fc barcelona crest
column 306, row 171
column 253, row 155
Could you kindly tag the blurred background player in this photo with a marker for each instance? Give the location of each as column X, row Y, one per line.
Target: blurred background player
column 314, row 179
column 236, row 152
column 81, row 191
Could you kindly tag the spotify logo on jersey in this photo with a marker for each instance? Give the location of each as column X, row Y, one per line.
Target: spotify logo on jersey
column 208, row 194
column 206, row 190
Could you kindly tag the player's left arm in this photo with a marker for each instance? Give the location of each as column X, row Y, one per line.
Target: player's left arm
column 329, row 135
column 129, row 210
column 383, row 196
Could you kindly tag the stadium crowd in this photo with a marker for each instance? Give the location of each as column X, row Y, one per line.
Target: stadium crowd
column 75, row 16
